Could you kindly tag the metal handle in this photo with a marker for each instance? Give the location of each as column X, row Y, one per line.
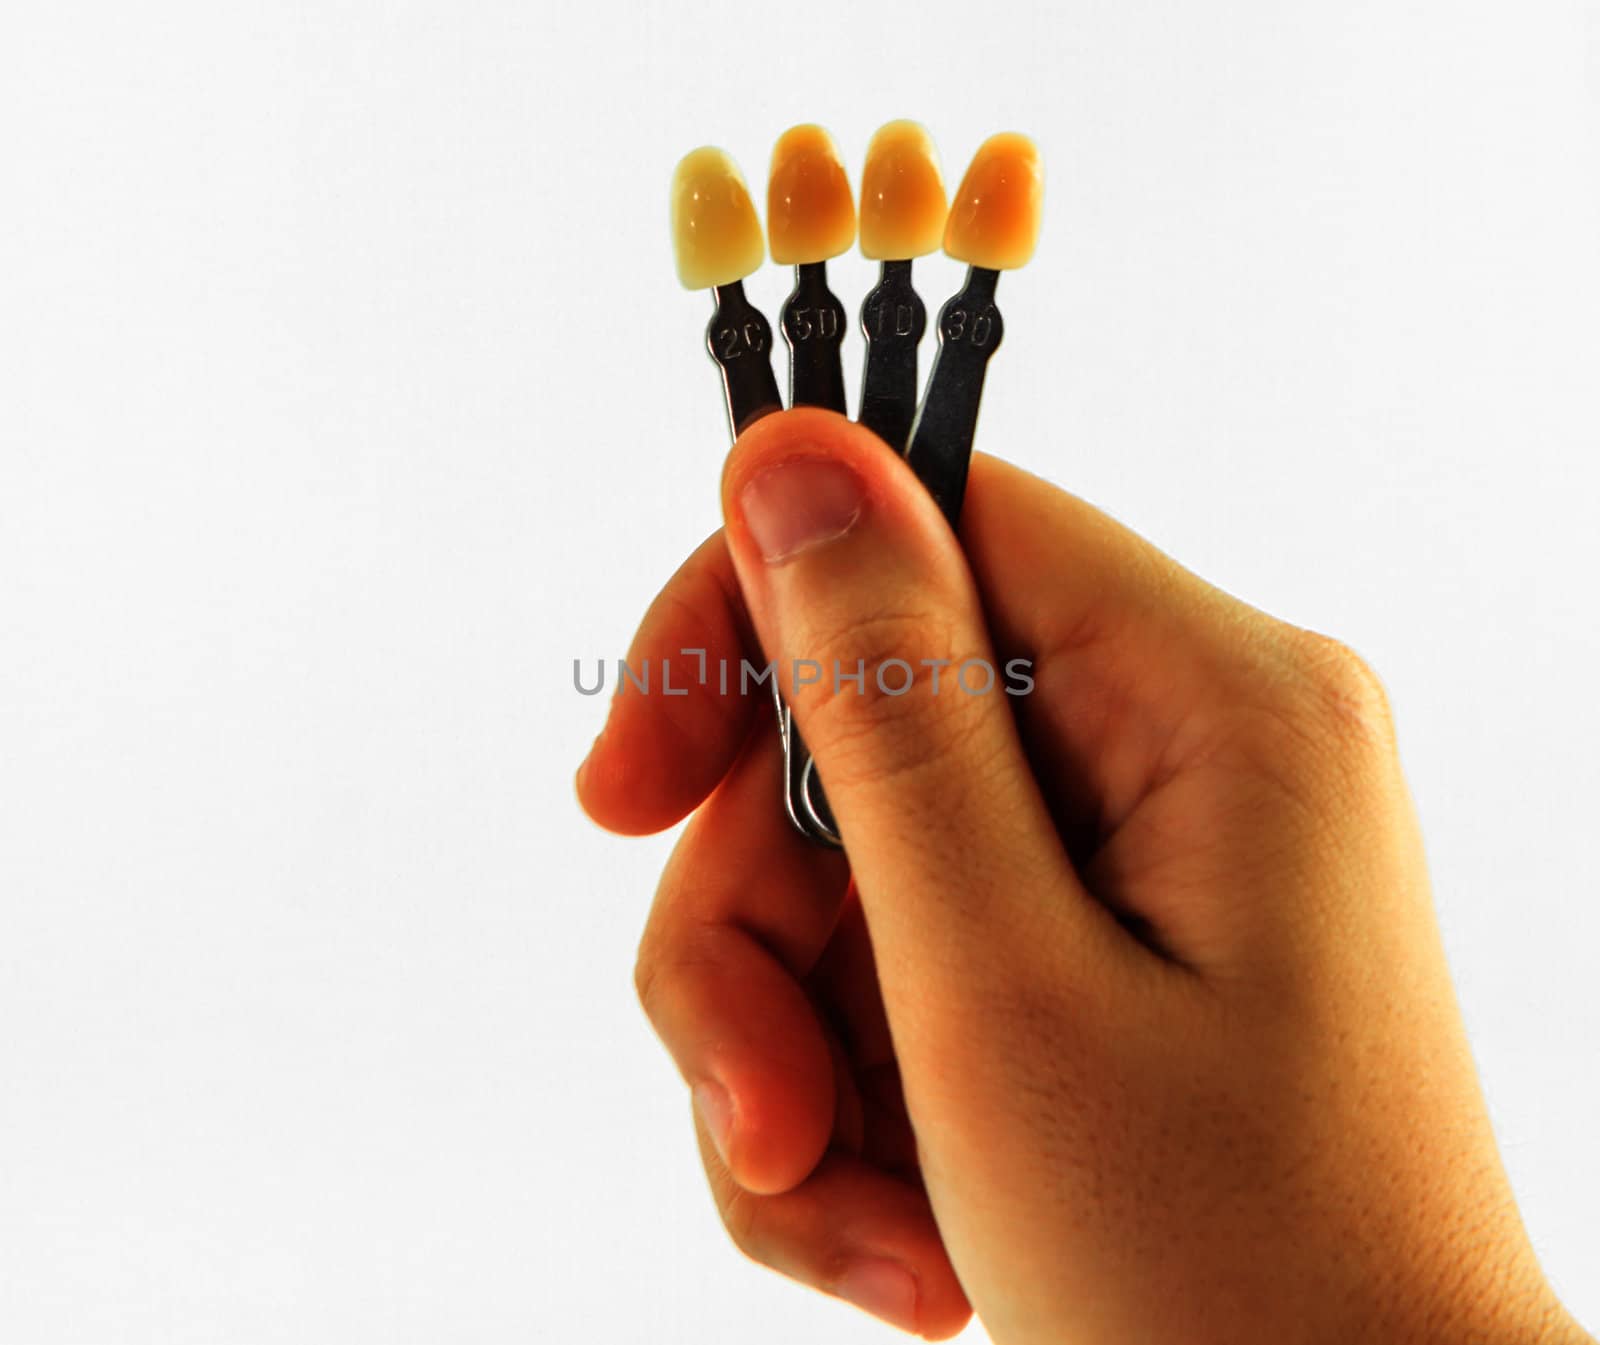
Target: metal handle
column 941, row 439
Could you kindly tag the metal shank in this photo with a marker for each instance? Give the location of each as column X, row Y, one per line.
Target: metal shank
column 813, row 325
column 893, row 319
column 803, row 797
column 941, row 439
column 740, row 341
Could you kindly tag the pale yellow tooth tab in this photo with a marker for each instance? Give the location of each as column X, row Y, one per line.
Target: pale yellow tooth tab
column 716, row 236
column 810, row 213
column 994, row 218
column 902, row 194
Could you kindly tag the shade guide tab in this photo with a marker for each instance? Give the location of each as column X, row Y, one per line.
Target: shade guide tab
column 903, row 205
column 994, row 216
column 716, row 237
column 811, row 214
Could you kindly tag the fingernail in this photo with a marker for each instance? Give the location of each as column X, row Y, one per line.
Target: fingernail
column 882, row 1288
column 716, row 1110
column 799, row 504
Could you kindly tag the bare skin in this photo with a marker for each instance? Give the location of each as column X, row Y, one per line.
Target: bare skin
column 1128, row 1017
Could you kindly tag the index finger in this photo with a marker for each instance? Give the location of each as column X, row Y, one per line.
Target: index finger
column 671, row 736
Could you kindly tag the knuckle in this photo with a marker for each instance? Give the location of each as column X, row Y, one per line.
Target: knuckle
column 677, row 958
column 1344, row 696
column 878, row 638
column 897, row 717
column 741, row 1216
column 659, row 965
column 1304, row 725
column 647, row 976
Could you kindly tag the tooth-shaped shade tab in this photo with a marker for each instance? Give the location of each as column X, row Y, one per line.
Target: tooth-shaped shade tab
column 715, row 233
column 810, row 213
column 994, row 219
column 902, row 194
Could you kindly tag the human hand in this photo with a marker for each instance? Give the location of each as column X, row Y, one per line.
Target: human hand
column 1129, row 1017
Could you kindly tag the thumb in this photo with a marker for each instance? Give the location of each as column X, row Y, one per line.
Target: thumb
column 863, row 602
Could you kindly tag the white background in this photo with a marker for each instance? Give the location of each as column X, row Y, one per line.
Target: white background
column 347, row 394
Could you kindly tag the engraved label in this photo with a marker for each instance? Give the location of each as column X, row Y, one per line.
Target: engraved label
column 802, row 324
column 732, row 342
column 960, row 326
column 904, row 319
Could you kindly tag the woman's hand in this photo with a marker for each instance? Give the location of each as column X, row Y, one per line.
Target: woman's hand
column 1128, row 1019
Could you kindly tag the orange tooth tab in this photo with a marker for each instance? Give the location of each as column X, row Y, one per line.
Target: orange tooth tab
column 716, row 236
column 810, row 213
column 902, row 194
column 994, row 219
